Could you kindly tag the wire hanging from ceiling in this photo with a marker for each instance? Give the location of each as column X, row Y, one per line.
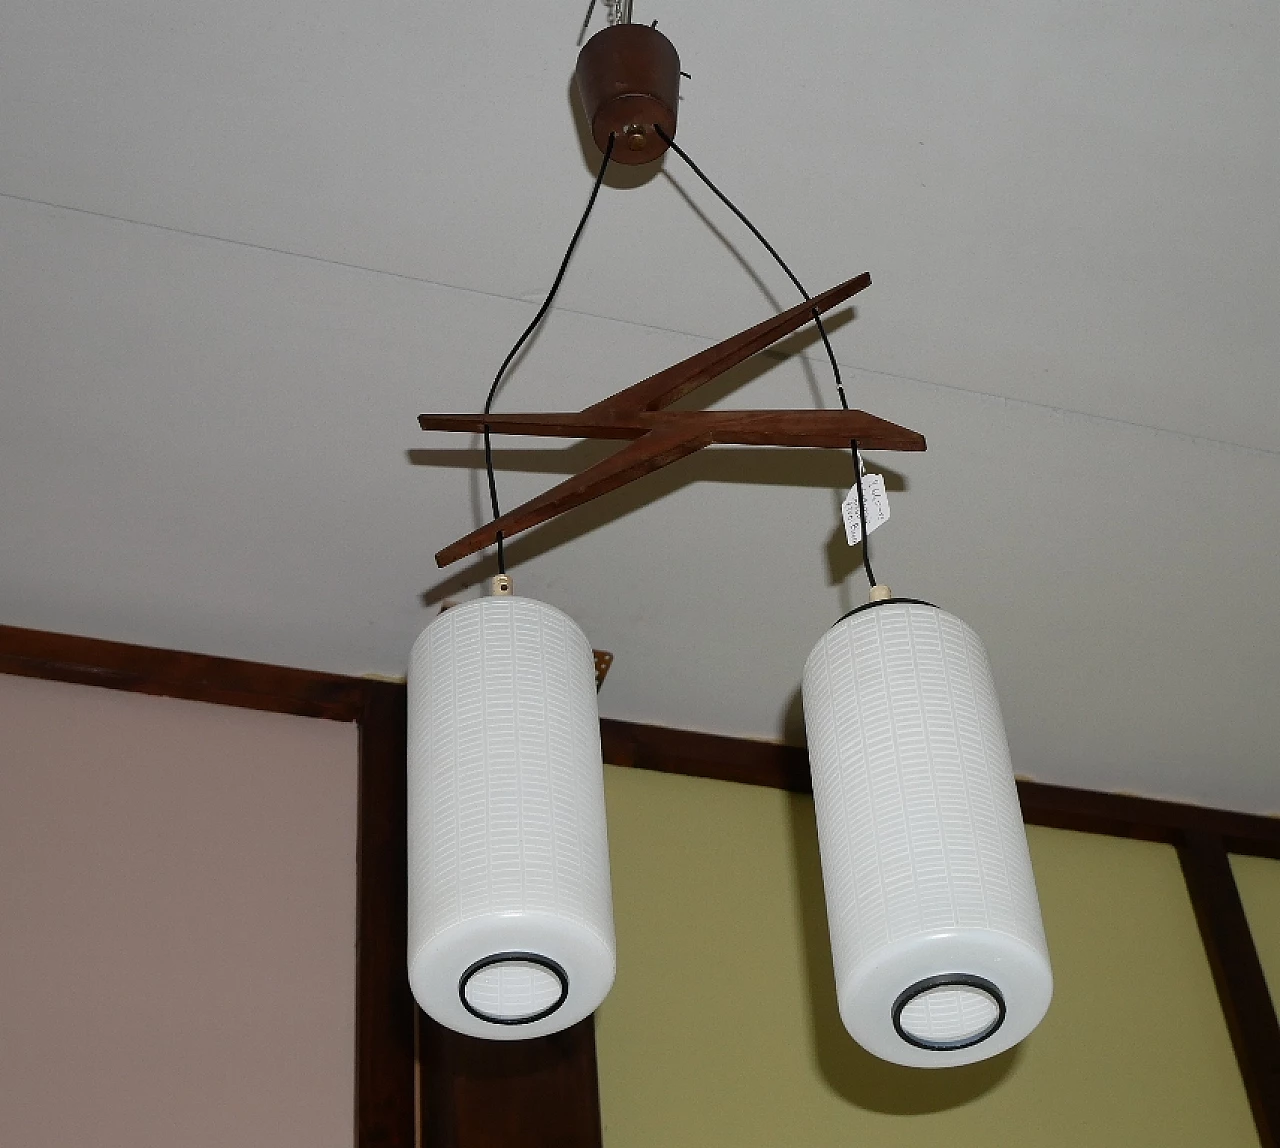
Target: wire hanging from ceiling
column 822, row 330
column 529, row 330
column 619, row 12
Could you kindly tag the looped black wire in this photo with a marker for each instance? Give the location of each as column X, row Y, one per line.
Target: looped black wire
column 529, row 330
column 822, row 330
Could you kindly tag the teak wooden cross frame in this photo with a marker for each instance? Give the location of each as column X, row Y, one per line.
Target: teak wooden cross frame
column 661, row 437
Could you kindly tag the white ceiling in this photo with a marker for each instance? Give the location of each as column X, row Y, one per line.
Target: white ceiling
column 244, row 246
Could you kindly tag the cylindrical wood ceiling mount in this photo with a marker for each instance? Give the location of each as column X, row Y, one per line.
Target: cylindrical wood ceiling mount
column 629, row 80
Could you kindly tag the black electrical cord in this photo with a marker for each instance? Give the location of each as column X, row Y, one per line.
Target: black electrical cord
column 822, row 330
column 529, row 330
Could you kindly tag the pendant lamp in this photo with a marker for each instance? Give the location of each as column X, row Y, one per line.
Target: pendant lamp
column 939, row 952
column 510, row 916
column 510, row 911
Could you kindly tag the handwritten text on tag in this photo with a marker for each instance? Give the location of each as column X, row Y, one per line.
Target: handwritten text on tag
column 876, row 503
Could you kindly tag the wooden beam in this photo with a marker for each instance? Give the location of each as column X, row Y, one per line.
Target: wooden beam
column 796, row 428
column 1146, row 818
column 1242, row 984
column 1058, row 806
column 175, row 674
column 385, row 1103
column 705, row 755
column 509, row 1093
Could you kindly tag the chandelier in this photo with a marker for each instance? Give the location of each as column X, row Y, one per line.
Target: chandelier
column 938, row 949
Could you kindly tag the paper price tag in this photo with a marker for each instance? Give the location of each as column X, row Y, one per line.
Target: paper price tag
column 875, row 502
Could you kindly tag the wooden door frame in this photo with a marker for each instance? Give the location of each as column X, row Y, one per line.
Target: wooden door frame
column 481, row 1093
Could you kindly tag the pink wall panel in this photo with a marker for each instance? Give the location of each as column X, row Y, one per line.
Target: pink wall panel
column 177, row 923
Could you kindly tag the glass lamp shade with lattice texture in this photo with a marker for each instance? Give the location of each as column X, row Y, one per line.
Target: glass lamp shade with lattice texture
column 510, row 910
column 939, row 952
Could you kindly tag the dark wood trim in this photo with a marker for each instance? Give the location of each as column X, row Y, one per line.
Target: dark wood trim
column 1242, row 984
column 1145, row 818
column 173, row 674
column 510, row 1094
column 705, row 755
column 1061, row 807
column 385, row 1053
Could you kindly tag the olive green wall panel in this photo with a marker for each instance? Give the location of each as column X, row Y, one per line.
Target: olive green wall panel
column 722, row 1027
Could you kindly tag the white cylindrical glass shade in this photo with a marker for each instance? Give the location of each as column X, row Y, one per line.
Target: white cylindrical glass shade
column 510, row 912
column 939, row 951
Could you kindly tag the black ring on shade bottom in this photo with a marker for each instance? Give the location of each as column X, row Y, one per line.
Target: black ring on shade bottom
column 501, row 959
column 948, row 980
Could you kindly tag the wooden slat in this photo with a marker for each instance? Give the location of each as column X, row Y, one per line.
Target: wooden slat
column 686, row 376
column 798, row 428
column 175, row 674
column 1242, row 985
column 509, row 1094
column 787, row 767
column 652, row 452
column 384, row 1006
column 705, row 755
column 1146, row 818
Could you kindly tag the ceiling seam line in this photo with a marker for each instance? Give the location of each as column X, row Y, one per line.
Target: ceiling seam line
column 263, row 247
column 1071, row 412
column 404, row 277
